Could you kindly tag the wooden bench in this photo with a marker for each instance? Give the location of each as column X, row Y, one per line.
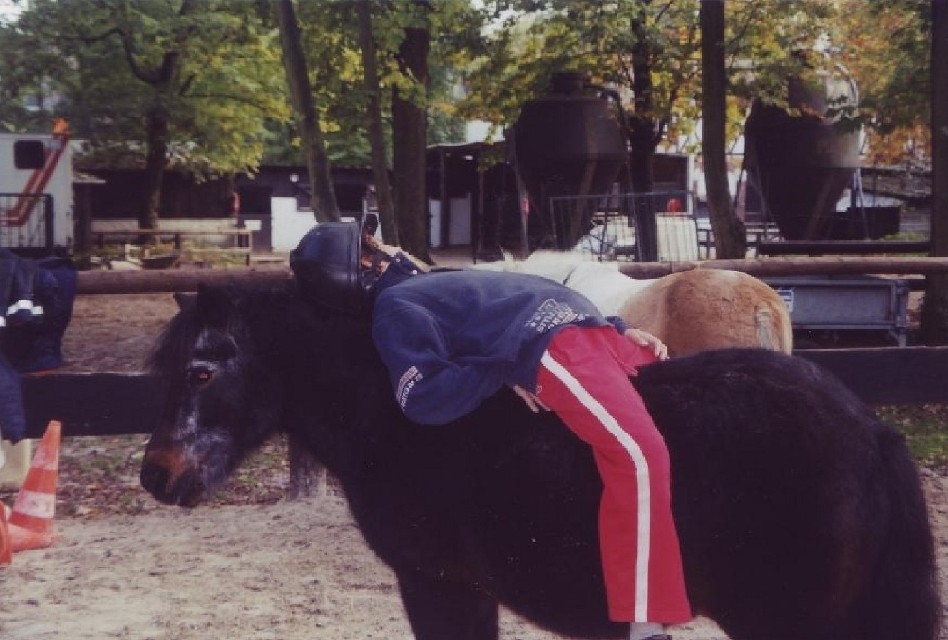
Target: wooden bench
column 241, row 240
column 756, row 233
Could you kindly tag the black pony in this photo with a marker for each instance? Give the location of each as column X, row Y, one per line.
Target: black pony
column 800, row 515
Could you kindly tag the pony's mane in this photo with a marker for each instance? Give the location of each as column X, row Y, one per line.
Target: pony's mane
column 278, row 319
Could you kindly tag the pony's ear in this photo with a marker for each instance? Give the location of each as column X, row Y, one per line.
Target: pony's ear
column 185, row 301
column 215, row 304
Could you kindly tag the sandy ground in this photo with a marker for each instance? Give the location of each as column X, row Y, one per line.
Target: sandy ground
column 288, row 571
column 283, row 570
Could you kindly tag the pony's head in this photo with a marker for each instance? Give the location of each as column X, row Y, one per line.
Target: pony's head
column 219, row 400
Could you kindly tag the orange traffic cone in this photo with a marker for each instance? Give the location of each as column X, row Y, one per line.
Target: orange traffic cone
column 6, row 547
column 22, row 539
column 31, row 520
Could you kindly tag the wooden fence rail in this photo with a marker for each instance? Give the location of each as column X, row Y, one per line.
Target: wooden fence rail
column 175, row 280
column 841, row 247
column 171, row 280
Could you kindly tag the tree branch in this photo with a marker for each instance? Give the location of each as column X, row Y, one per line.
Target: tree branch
column 242, row 99
column 152, row 77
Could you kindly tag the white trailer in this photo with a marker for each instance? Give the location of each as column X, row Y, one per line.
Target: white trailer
column 36, row 199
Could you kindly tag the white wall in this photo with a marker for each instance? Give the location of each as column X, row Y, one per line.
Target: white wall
column 13, row 180
column 459, row 231
column 434, row 230
column 289, row 224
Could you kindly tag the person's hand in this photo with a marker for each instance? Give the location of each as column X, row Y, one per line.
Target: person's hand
column 646, row 339
column 533, row 402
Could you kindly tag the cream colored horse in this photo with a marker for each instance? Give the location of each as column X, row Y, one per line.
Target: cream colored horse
column 690, row 311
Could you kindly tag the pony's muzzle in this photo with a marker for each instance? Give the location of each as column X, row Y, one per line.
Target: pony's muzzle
column 170, row 483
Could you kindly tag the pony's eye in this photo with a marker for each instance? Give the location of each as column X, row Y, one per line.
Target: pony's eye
column 199, row 375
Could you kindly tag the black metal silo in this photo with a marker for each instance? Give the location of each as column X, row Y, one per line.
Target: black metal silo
column 566, row 143
column 802, row 162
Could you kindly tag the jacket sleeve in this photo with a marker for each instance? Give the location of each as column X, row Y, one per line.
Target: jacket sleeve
column 431, row 385
column 617, row 322
column 12, row 415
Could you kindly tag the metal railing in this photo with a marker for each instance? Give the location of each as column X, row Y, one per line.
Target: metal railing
column 26, row 221
column 651, row 226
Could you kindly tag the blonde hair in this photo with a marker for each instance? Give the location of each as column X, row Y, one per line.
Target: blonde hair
column 375, row 254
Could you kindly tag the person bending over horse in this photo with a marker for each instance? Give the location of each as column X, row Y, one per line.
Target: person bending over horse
column 450, row 339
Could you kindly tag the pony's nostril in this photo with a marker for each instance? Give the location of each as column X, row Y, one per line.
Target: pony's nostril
column 189, row 491
column 155, row 480
column 185, row 489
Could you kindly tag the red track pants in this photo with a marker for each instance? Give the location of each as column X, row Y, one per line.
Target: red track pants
column 584, row 378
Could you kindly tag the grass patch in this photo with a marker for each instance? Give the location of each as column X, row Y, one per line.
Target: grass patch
column 926, row 430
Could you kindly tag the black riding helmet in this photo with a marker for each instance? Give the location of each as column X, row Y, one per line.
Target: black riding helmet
column 327, row 265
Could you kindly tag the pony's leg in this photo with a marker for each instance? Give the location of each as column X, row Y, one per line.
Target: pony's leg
column 303, row 468
column 439, row 609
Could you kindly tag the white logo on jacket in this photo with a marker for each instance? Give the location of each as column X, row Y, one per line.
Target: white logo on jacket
column 405, row 384
column 552, row 313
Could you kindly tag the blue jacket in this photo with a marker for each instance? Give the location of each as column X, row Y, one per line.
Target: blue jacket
column 450, row 339
column 36, row 298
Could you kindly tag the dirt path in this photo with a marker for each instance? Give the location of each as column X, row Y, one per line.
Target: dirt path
column 287, row 571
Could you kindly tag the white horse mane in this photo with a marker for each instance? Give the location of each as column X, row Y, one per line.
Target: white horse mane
column 601, row 282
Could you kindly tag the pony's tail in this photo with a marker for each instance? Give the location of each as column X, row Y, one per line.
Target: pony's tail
column 902, row 602
column 774, row 330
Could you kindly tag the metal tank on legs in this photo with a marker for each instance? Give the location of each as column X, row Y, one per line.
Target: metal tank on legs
column 566, row 143
column 801, row 160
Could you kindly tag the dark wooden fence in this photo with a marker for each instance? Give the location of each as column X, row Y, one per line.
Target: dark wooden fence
column 112, row 403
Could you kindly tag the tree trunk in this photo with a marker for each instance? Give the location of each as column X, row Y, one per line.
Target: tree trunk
column 730, row 240
column 383, row 187
column 642, row 139
column 642, row 134
column 156, row 132
column 410, row 137
column 231, row 203
column 934, row 317
column 163, row 78
column 323, row 197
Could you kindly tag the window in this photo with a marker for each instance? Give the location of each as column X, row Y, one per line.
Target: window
column 29, row 154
